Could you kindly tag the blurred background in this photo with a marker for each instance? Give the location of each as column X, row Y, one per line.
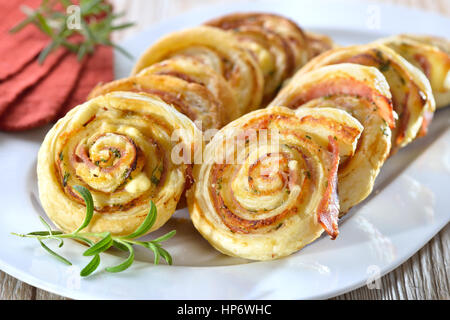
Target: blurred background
column 148, row 12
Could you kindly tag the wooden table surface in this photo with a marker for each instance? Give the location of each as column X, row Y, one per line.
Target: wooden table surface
column 424, row 276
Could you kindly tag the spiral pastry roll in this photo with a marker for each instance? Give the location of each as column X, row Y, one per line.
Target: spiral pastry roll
column 194, row 72
column 432, row 56
column 120, row 147
column 364, row 93
column 269, row 46
column 267, row 185
column 292, row 36
column 218, row 50
column 319, row 43
column 412, row 95
column 203, row 102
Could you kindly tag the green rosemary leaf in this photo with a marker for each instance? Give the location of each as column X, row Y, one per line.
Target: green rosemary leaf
column 61, row 242
column 52, row 20
column 146, row 224
column 127, row 263
column 87, row 7
column 81, row 52
column 165, row 237
column 44, row 233
column 123, row 26
column 91, row 266
column 100, row 246
column 22, row 24
column 50, row 232
column 84, row 192
column 66, row 3
column 83, row 239
column 46, row 225
column 107, row 240
column 155, row 250
column 42, row 24
column 54, row 254
column 166, row 255
column 120, row 245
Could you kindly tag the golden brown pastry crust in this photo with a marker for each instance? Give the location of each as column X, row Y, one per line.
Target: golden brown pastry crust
column 432, row 56
column 267, row 185
column 192, row 99
column 119, row 147
column 220, row 51
column 411, row 92
column 364, row 93
column 294, row 38
column 193, row 71
column 319, row 43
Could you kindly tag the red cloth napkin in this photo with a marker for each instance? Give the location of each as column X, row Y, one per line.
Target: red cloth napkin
column 26, row 78
column 32, row 95
column 97, row 69
column 41, row 104
column 18, row 49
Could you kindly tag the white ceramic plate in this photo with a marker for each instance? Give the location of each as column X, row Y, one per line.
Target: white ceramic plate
column 409, row 206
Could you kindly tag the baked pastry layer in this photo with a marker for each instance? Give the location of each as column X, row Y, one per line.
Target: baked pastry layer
column 267, row 184
column 120, row 147
column 364, row 93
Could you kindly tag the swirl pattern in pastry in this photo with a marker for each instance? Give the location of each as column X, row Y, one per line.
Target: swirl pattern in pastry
column 267, row 185
column 192, row 88
column 295, row 40
column 119, row 146
column 432, row 56
column 193, row 71
column 217, row 49
column 411, row 91
column 364, row 93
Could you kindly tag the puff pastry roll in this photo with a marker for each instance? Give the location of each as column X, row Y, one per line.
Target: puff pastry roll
column 319, row 43
column 220, row 51
column 411, row 91
column 364, row 93
column 293, row 37
column 432, row 56
column 119, row 146
column 195, row 72
column 267, row 185
column 204, row 96
column 270, row 43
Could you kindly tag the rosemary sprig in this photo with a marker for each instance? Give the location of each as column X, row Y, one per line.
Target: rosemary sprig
column 106, row 240
column 55, row 19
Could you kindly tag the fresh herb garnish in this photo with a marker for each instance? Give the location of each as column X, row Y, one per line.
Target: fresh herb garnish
column 385, row 66
column 125, row 173
column 154, row 180
column 65, row 178
column 95, row 25
column 105, row 239
column 115, row 152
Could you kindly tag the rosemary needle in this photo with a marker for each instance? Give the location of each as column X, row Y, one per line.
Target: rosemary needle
column 106, row 240
column 94, row 23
